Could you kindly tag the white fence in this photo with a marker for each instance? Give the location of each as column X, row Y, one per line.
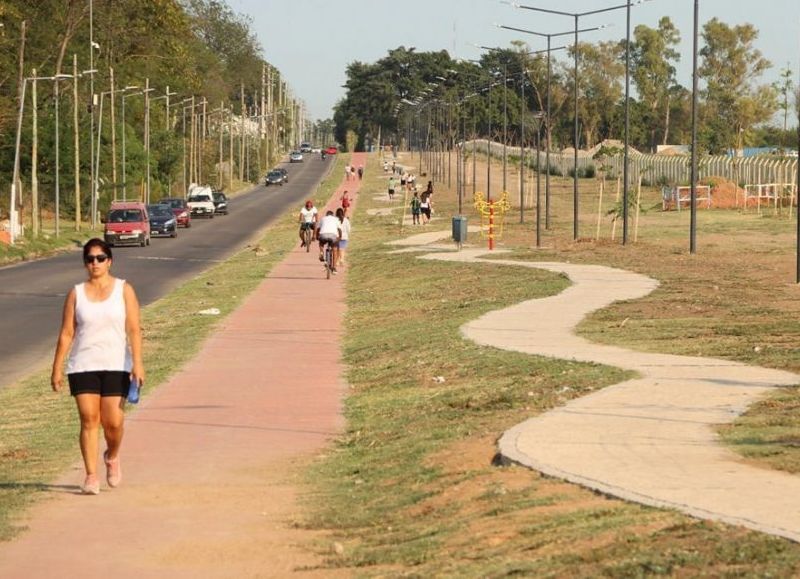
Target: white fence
column 662, row 169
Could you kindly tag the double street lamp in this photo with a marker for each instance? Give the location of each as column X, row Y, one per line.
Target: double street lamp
column 576, row 16
column 548, row 126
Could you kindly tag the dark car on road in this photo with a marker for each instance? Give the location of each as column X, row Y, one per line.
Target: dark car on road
column 162, row 221
column 274, row 177
column 179, row 209
column 220, row 202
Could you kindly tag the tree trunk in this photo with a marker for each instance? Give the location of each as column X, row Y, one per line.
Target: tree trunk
column 666, row 123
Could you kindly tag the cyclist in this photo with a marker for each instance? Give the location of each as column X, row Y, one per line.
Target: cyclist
column 307, row 220
column 329, row 232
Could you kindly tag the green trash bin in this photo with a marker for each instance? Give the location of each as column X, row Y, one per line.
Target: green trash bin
column 459, row 229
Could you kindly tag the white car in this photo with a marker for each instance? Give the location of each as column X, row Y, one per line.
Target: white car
column 296, row 157
column 201, row 201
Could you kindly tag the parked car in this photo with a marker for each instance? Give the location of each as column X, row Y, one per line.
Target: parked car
column 127, row 223
column 296, row 157
column 331, row 150
column 182, row 213
column 274, row 177
column 200, row 201
column 162, row 220
column 220, row 202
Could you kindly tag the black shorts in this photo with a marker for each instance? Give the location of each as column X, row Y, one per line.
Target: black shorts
column 426, row 211
column 102, row 382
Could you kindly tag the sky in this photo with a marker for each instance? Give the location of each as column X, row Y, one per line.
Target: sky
column 313, row 41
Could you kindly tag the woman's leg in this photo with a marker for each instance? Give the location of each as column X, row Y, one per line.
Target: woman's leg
column 89, row 411
column 112, row 418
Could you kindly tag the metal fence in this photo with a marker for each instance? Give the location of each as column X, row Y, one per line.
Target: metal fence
column 659, row 169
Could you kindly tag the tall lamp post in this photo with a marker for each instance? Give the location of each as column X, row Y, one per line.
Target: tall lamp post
column 548, row 125
column 577, row 16
column 13, row 214
column 124, row 154
column 96, row 185
column 166, row 96
column 56, row 78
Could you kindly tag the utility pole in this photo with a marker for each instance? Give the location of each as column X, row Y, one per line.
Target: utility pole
column 147, row 136
column 202, row 148
column 220, row 128
column 191, row 144
column 230, row 149
column 113, row 135
column 262, row 132
column 35, row 157
column 76, row 141
column 241, row 137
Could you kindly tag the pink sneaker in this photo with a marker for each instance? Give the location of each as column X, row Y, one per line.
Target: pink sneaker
column 91, row 486
column 113, row 471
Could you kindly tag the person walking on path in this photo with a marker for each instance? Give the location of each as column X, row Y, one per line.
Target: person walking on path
column 345, row 199
column 416, row 205
column 392, row 185
column 360, row 172
column 428, row 189
column 426, row 207
column 347, row 172
column 344, row 230
column 101, row 332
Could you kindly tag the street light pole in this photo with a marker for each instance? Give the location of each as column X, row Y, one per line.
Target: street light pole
column 576, row 16
column 548, row 126
column 693, row 198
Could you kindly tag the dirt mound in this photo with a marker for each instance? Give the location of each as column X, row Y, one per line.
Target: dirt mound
column 725, row 194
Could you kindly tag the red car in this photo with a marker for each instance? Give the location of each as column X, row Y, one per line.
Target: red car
column 182, row 214
column 331, row 151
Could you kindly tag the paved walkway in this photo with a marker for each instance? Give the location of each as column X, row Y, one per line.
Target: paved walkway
column 208, row 458
column 651, row 439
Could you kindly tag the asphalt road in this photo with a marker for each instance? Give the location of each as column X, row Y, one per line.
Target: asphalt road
column 32, row 293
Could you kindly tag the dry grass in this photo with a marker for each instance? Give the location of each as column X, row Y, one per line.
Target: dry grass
column 416, row 458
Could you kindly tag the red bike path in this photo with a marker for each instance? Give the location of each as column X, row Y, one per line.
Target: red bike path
column 210, row 459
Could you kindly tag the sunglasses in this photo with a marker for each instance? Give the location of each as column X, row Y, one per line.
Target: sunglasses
column 100, row 258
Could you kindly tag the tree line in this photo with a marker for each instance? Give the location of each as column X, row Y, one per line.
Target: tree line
column 198, row 48
column 395, row 94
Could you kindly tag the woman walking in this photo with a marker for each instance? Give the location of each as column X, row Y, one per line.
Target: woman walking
column 101, row 332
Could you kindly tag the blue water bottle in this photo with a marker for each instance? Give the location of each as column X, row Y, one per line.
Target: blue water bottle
column 133, row 392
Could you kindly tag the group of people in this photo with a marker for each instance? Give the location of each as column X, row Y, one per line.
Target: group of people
column 422, row 205
column 332, row 229
column 350, row 172
column 407, row 182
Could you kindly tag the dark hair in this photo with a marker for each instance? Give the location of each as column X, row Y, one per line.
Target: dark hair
column 96, row 242
column 340, row 213
column 329, row 212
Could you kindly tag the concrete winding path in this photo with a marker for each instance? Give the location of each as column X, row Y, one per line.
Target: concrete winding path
column 650, row 439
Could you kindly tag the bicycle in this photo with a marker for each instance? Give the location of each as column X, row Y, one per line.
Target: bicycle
column 308, row 235
column 328, row 259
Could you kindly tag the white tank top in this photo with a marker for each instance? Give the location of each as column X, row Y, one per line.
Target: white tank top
column 100, row 342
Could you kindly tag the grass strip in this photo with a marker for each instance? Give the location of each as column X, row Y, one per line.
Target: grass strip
column 38, row 429
column 409, row 489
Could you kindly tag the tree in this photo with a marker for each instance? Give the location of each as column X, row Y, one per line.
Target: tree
column 653, row 53
column 601, row 74
column 733, row 102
